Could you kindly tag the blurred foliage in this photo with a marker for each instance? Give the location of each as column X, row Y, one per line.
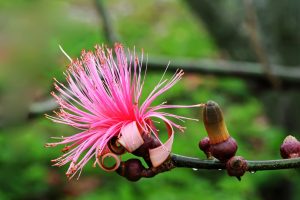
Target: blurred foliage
column 32, row 31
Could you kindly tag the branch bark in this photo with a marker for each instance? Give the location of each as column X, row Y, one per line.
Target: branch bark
column 253, row 165
column 179, row 161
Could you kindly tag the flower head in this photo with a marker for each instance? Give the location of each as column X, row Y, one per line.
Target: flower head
column 102, row 100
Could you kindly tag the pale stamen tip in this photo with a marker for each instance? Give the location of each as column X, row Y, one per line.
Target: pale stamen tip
column 49, row 145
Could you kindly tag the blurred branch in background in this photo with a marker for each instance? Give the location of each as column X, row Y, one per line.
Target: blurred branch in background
column 223, row 21
column 220, row 67
column 257, row 45
column 259, row 31
column 248, row 70
column 108, row 28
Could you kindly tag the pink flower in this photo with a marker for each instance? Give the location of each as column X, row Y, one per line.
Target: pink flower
column 102, row 100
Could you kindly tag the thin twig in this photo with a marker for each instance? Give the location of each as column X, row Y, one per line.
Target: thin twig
column 179, row 161
column 253, row 165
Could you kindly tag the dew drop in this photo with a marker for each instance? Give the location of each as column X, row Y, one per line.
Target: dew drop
column 195, row 169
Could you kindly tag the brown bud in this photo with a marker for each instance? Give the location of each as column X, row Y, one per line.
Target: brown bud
column 236, row 166
column 204, row 145
column 224, row 150
column 290, row 147
column 131, row 169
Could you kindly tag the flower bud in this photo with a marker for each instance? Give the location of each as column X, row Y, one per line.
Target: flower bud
column 204, row 145
column 236, row 166
column 131, row 169
column 290, row 147
column 222, row 145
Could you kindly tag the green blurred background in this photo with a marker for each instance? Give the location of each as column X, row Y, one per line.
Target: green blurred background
column 31, row 31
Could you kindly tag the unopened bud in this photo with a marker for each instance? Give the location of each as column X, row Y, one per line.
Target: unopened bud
column 290, row 147
column 236, row 166
column 214, row 123
column 222, row 145
column 204, row 145
column 224, row 150
column 131, row 169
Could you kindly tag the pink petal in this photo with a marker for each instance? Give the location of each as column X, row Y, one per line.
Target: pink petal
column 159, row 154
column 112, row 168
column 131, row 138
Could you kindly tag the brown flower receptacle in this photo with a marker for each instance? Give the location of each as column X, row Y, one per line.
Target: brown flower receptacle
column 150, row 142
column 131, row 169
column 225, row 150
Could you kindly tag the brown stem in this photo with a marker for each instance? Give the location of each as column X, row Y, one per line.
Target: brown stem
column 152, row 171
column 195, row 163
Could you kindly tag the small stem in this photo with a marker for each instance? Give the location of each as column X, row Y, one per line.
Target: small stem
column 259, row 165
column 189, row 162
column 253, row 165
column 152, row 171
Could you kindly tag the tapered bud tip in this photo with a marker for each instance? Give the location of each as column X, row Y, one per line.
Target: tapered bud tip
column 236, row 166
column 131, row 169
column 212, row 113
column 211, row 103
column 214, row 123
column 290, row 147
column 225, row 150
column 204, row 145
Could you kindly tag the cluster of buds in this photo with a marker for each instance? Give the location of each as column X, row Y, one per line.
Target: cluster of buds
column 219, row 144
